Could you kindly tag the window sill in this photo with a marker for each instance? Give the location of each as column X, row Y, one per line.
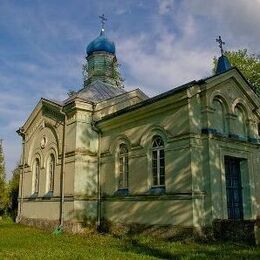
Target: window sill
column 48, row 195
column 121, row 192
column 157, row 190
column 34, row 195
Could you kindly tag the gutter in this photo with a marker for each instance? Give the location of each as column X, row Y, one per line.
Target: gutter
column 97, row 130
column 20, row 132
column 62, row 172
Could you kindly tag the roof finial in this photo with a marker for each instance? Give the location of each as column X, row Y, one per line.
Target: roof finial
column 103, row 19
column 221, row 43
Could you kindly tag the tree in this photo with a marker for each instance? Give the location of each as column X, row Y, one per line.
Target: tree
column 248, row 64
column 13, row 192
column 3, row 186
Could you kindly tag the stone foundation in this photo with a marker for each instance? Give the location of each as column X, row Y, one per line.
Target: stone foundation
column 166, row 232
column 46, row 224
column 247, row 231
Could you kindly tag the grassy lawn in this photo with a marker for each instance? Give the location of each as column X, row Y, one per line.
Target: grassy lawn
column 21, row 242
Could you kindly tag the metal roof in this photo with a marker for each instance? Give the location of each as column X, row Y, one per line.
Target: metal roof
column 223, row 64
column 97, row 91
column 101, row 43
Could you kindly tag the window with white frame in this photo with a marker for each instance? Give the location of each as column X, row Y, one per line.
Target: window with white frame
column 158, row 161
column 35, row 176
column 123, row 166
column 50, row 173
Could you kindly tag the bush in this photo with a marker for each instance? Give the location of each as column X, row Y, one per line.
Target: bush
column 234, row 230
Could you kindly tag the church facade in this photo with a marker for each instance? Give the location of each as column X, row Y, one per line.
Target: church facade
column 183, row 158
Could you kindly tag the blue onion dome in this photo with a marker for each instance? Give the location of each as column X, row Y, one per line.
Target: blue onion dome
column 101, row 43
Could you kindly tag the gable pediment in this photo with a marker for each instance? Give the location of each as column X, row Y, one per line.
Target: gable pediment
column 233, row 88
column 44, row 109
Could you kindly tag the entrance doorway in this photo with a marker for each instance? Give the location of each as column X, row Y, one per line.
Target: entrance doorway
column 233, row 188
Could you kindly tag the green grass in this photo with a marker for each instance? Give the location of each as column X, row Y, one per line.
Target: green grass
column 21, row 242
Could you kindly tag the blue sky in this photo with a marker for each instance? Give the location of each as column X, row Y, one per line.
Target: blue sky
column 160, row 45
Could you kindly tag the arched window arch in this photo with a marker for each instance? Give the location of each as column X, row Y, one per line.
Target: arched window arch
column 219, row 120
column 35, row 176
column 123, row 166
column 240, row 126
column 50, row 173
column 158, row 161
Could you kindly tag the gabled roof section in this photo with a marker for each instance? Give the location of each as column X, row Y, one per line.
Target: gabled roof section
column 236, row 75
column 201, row 81
column 97, row 91
column 54, row 104
column 151, row 100
column 182, row 88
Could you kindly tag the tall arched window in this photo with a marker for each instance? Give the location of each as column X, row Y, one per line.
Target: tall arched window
column 123, row 166
column 219, row 121
column 240, row 122
column 35, row 176
column 158, row 161
column 50, row 173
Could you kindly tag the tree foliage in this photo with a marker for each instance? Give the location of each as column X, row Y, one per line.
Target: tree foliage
column 13, row 191
column 8, row 190
column 3, row 186
column 248, row 64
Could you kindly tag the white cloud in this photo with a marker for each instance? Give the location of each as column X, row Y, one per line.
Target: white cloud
column 173, row 61
column 169, row 66
column 238, row 20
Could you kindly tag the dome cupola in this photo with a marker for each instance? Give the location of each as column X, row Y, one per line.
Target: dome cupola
column 101, row 59
column 101, row 43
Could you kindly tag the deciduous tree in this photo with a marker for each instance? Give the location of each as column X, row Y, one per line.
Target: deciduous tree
column 248, row 64
column 3, row 186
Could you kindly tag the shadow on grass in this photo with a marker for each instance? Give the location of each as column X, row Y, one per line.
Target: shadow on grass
column 134, row 245
column 202, row 251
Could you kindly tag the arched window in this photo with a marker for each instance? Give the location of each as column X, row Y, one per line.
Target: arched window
column 240, row 122
column 50, row 173
column 158, row 161
column 123, row 166
column 35, row 176
column 219, row 121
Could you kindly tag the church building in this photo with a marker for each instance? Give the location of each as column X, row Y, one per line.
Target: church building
column 183, row 158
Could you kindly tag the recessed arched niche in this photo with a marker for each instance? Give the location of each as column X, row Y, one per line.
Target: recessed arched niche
column 240, row 123
column 219, row 116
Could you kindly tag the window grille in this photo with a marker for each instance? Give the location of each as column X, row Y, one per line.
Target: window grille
column 51, row 170
column 158, row 161
column 123, row 166
column 36, row 175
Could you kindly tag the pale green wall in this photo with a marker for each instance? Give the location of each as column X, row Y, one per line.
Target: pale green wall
column 195, row 175
column 175, row 212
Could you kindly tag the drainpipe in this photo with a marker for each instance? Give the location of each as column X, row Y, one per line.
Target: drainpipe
column 96, row 129
column 20, row 132
column 62, row 171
